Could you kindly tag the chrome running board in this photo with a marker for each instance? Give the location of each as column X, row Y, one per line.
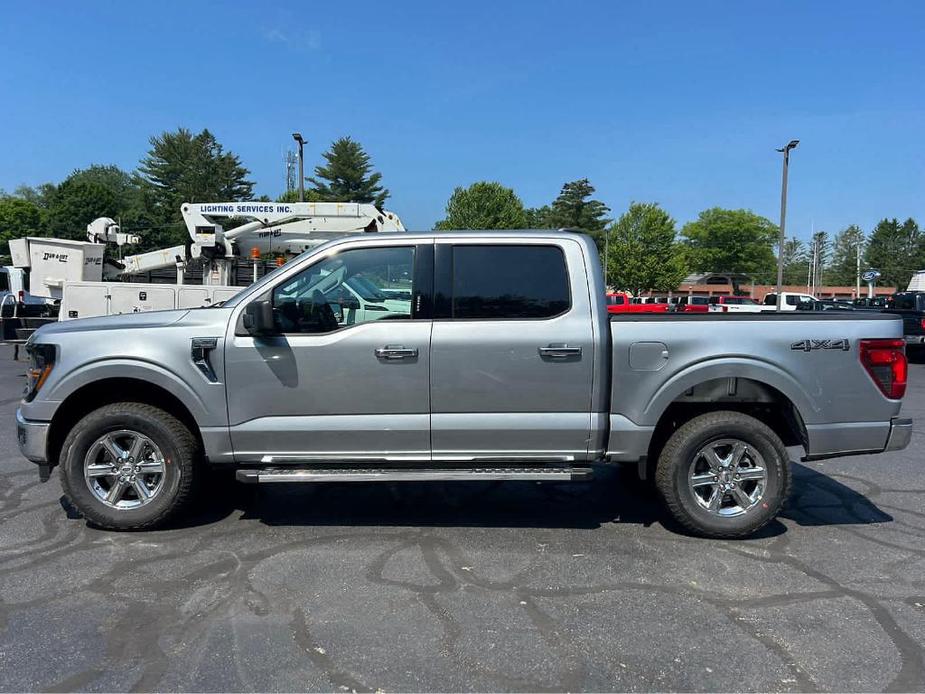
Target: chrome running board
column 550, row 473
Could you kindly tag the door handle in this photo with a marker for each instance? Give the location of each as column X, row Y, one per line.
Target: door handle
column 559, row 351
column 396, row 352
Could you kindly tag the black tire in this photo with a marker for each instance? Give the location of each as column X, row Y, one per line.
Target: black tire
column 681, row 453
column 177, row 444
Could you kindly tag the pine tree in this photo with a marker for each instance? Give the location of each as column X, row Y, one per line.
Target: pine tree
column 896, row 250
column 819, row 252
column 574, row 210
column 843, row 269
column 794, row 261
column 183, row 167
column 346, row 177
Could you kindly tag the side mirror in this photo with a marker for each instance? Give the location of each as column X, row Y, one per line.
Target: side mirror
column 258, row 318
column 349, row 302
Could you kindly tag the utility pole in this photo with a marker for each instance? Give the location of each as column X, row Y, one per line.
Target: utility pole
column 785, row 150
column 298, row 138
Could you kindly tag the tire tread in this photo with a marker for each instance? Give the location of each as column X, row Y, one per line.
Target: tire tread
column 665, row 470
column 184, row 440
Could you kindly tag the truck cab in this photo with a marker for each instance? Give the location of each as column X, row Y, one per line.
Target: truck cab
column 790, row 301
column 911, row 307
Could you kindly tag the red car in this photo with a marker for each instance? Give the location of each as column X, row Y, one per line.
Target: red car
column 618, row 302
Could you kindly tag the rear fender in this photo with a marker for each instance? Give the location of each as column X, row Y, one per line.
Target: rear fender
column 754, row 369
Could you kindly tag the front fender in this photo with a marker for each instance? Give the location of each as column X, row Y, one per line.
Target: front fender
column 107, row 368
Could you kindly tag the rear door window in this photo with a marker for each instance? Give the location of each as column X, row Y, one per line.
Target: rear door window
column 497, row 282
column 904, row 302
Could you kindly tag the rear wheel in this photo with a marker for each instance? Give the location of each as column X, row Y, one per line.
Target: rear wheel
column 723, row 475
column 129, row 466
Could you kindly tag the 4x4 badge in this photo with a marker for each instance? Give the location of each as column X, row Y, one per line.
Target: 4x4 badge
column 812, row 345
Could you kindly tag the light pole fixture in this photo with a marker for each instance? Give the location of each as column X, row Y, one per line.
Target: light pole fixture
column 298, row 138
column 785, row 150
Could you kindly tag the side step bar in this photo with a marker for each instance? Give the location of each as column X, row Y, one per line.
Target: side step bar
column 458, row 474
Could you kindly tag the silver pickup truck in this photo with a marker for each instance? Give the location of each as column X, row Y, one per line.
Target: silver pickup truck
column 503, row 364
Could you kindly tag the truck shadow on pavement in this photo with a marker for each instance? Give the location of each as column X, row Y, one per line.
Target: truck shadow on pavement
column 615, row 496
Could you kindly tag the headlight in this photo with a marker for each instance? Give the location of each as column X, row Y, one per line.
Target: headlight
column 41, row 361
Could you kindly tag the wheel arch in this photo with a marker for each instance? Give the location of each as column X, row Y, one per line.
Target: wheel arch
column 96, row 394
column 755, row 397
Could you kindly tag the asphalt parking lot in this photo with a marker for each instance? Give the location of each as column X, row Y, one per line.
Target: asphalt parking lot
column 468, row 587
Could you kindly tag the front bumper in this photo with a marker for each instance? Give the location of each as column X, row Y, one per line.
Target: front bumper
column 900, row 434
column 32, row 437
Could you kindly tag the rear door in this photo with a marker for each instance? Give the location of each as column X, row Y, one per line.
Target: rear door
column 511, row 351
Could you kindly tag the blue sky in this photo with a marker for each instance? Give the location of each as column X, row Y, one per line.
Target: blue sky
column 681, row 103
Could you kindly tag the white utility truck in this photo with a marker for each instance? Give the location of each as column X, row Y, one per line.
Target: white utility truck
column 70, row 274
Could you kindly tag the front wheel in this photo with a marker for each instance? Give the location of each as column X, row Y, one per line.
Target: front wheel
column 723, row 475
column 129, row 466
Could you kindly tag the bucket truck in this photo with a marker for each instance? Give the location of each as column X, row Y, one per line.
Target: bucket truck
column 71, row 273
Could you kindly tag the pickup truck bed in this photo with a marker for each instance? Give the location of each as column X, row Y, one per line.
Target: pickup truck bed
column 836, row 408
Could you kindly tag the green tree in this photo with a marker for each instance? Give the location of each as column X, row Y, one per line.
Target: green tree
column 77, row 202
column 574, row 209
column 183, row 167
column 484, row 205
column 820, row 250
column 346, row 177
column 538, row 217
column 643, row 252
column 896, row 250
column 39, row 195
column 97, row 191
column 795, row 261
column 741, row 241
column 18, row 218
column 843, row 268
column 293, row 196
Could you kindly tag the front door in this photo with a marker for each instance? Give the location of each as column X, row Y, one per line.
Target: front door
column 339, row 381
column 512, row 351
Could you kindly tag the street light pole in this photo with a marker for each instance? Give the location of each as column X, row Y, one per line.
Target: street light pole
column 783, row 217
column 298, row 138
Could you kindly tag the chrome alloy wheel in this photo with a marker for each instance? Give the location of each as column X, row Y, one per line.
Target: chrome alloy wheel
column 727, row 477
column 124, row 469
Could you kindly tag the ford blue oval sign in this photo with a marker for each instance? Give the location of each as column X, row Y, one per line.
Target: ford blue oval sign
column 870, row 275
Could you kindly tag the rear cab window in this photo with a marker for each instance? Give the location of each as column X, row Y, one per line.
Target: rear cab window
column 506, row 282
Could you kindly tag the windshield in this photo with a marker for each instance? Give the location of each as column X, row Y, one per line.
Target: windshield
column 268, row 278
column 366, row 289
